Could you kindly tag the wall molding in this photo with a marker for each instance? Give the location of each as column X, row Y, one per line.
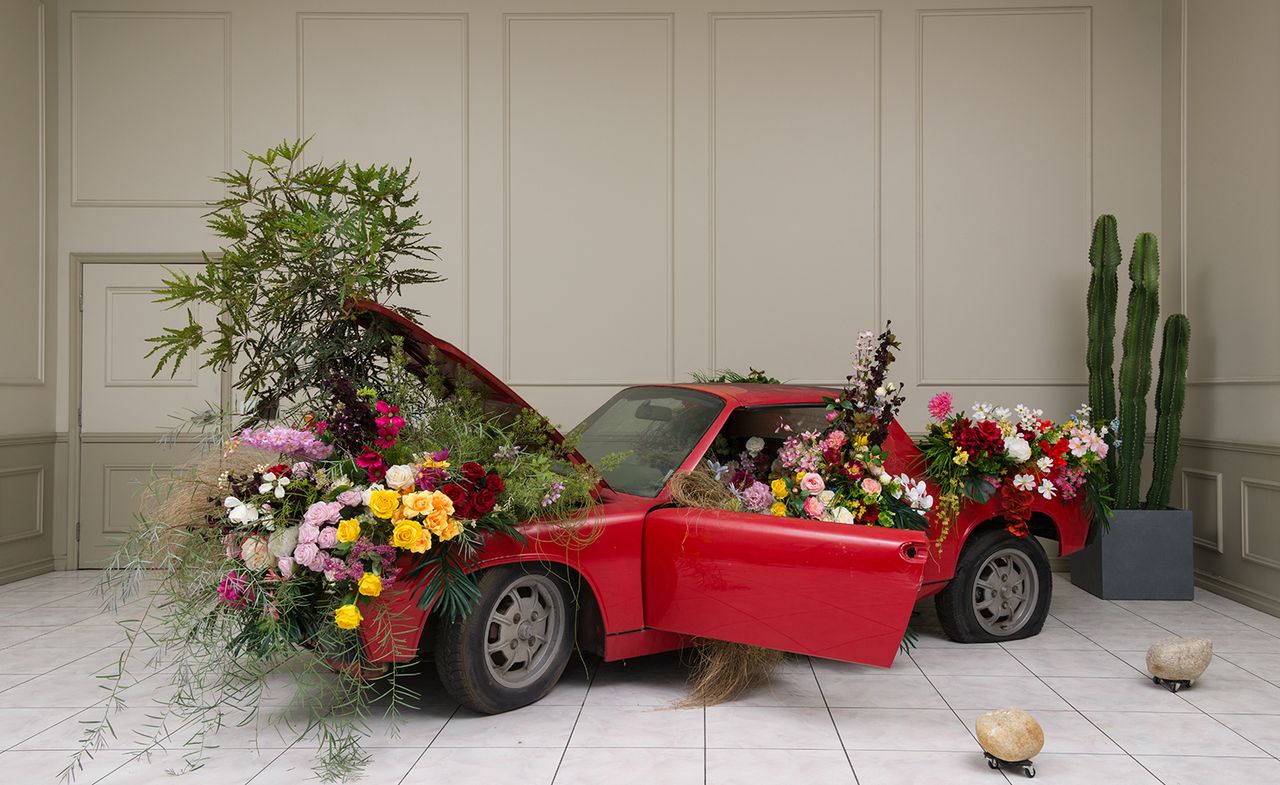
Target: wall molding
column 1256, row 448
column 1247, row 483
column 38, row 512
column 1216, row 478
column 28, row 570
column 923, row 379
column 29, row 439
column 140, row 437
column 877, row 274
column 225, row 16
column 1245, row 595
column 670, row 343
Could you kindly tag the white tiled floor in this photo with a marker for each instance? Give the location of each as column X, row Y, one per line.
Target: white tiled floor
column 817, row 722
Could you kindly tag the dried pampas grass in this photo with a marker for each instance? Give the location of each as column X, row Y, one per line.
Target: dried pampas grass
column 184, row 497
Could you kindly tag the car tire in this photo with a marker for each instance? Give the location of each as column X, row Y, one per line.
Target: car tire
column 1001, row 589
column 514, row 645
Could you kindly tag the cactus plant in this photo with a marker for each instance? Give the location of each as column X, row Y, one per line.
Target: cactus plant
column 1104, row 258
column 1135, row 367
column 1170, row 391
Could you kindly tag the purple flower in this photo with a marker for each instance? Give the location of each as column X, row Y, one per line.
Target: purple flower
column 235, row 591
column 553, row 495
column 301, row 444
column 756, row 497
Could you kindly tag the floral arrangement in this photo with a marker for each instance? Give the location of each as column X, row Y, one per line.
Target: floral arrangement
column 1016, row 453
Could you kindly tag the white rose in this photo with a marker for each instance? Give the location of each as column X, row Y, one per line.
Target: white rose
column 754, row 445
column 843, row 515
column 255, row 553
column 1017, row 448
column 825, row 497
column 283, row 542
column 880, row 392
column 400, row 476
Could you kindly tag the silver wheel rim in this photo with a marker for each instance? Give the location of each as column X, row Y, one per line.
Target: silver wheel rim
column 524, row 628
column 1006, row 592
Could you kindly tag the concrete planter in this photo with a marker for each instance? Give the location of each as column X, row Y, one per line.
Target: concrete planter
column 1146, row 555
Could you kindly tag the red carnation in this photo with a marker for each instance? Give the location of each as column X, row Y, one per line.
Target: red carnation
column 472, row 471
column 494, row 483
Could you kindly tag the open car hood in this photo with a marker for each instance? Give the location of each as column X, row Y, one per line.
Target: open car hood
column 418, row 343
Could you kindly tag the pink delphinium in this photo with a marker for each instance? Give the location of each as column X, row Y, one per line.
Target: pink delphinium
column 305, row 445
column 940, row 406
column 235, row 591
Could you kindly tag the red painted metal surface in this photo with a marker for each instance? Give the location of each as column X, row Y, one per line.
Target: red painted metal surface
column 808, row 587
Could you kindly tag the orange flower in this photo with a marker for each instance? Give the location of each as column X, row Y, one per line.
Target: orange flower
column 416, row 504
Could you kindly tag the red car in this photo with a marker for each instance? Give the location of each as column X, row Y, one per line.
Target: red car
column 654, row 577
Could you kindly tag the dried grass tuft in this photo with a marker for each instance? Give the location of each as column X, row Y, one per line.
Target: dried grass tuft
column 725, row 671
column 184, row 497
column 701, row 489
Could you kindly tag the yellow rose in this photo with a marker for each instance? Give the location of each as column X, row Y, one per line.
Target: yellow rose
column 423, row 543
column 778, row 510
column 347, row 617
column 405, row 534
column 383, row 503
column 370, row 585
column 348, row 530
column 779, row 488
column 416, row 504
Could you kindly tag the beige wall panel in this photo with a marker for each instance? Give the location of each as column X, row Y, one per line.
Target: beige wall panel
column 407, row 73
column 1202, row 494
column 1260, row 521
column 22, row 191
column 589, row 203
column 1004, row 190
column 150, row 115
column 795, row 189
column 1232, row 189
column 26, row 502
column 120, row 394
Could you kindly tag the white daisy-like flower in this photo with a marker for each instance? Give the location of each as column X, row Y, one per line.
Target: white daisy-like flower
column 1024, row 482
column 1045, row 464
column 1047, row 490
column 273, row 485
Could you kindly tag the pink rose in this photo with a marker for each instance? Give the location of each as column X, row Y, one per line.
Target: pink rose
column 870, row 486
column 813, row 508
column 351, row 498
column 321, row 513
column 812, row 482
column 307, row 554
column 308, row 532
column 831, row 416
column 328, row 537
column 286, row 567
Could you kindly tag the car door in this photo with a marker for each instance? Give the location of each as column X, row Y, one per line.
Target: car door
column 838, row 591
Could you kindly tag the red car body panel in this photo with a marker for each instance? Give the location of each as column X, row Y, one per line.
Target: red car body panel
column 663, row 576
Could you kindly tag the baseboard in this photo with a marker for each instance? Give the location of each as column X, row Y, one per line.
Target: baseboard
column 1238, row 592
column 21, row 571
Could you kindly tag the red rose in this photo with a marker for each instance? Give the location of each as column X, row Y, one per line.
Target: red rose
column 456, row 493
column 483, row 503
column 494, row 483
column 472, row 470
column 462, row 509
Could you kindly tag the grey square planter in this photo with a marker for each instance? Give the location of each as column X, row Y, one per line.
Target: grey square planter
column 1146, row 555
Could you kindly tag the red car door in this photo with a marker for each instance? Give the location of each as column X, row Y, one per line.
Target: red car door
column 839, row 591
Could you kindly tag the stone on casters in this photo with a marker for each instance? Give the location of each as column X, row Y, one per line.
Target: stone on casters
column 1010, row 734
column 1179, row 659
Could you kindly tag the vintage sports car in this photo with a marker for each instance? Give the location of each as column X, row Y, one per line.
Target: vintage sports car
column 654, row 577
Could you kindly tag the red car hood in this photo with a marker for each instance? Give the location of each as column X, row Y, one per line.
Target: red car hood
column 449, row 359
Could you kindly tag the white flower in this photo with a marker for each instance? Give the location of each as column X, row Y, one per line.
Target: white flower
column 892, row 386
column 400, row 476
column 273, row 485
column 881, row 392
column 1001, row 413
column 339, row 482
column 255, row 554
column 1078, row 446
column 842, row 515
column 754, row 445
column 825, row 497
column 1017, row 448
column 884, row 478
column 283, row 542
column 1024, row 482
column 239, row 511
column 1046, row 489
column 1045, row 464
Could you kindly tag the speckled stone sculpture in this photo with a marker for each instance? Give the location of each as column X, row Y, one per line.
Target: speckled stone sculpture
column 1010, row 736
column 1177, row 662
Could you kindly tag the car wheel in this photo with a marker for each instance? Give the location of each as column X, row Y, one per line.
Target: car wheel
column 513, row 647
column 1000, row 592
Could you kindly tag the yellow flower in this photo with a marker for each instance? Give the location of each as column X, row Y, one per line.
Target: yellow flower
column 416, row 504
column 779, row 488
column 383, row 503
column 370, row 585
column 406, row 534
column 860, row 440
column 423, row 543
column 961, row 459
column 431, row 463
column 347, row 617
column 778, row 510
column 348, row 530
column 799, row 477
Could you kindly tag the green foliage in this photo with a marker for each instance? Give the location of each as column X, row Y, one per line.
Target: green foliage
column 1170, row 392
column 302, row 241
column 1104, row 258
column 730, row 376
column 1135, row 367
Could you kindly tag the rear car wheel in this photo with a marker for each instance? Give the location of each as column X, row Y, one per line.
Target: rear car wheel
column 1000, row 592
column 513, row 647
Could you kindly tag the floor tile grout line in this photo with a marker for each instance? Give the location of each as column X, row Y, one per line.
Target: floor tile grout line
column 423, row 754
column 591, row 680
column 831, row 714
column 953, row 711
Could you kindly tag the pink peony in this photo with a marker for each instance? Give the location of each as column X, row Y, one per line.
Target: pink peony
column 812, row 482
column 328, row 537
column 870, row 486
column 813, row 508
column 940, row 406
column 831, row 416
column 756, row 497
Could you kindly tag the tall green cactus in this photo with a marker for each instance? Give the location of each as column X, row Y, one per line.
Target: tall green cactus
column 1104, row 258
column 1171, row 390
column 1135, row 367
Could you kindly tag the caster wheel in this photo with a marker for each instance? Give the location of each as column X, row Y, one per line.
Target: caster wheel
column 993, row 763
column 1029, row 771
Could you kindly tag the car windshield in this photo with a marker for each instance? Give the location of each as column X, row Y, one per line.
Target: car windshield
column 651, row 429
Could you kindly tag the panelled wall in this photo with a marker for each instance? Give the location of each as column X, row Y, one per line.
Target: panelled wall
column 28, row 221
column 1222, row 261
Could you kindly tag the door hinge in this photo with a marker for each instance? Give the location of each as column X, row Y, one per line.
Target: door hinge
column 80, row 416
column 82, row 302
column 77, row 531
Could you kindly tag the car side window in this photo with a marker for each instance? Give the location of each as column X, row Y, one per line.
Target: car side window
column 770, row 424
